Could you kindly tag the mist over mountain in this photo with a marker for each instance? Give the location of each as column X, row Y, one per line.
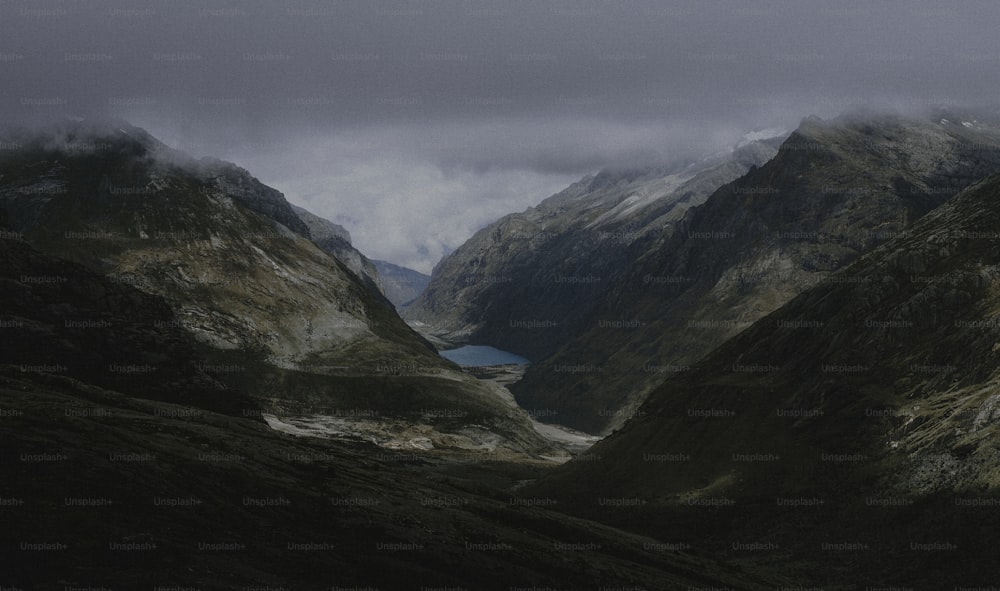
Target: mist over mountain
column 834, row 424
column 523, row 296
column 423, row 123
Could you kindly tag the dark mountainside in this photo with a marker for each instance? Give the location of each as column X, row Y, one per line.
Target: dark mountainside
column 521, row 283
column 401, row 285
column 834, row 191
column 62, row 319
column 849, row 438
column 295, row 327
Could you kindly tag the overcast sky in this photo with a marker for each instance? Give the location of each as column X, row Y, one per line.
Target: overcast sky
column 415, row 123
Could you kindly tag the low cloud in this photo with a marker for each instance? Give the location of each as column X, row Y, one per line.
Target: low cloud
column 472, row 109
column 398, row 205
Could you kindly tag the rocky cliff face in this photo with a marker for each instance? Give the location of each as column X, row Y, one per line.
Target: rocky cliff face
column 334, row 239
column 866, row 406
column 237, row 266
column 520, row 283
column 834, row 191
column 65, row 321
column 400, row 284
column 236, row 183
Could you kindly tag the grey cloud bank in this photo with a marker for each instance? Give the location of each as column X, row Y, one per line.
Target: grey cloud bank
column 414, row 123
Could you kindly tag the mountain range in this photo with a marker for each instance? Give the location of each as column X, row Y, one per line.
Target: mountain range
column 790, row 351
column 610, row 324
column 130, row 462
column 301, row 331
column 522, row 282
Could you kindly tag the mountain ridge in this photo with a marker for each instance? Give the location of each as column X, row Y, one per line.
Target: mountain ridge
column 832, row 192
column 336, row 240
column 307, row 334
column 402, row 285
column 544, row 264
column 868, row 399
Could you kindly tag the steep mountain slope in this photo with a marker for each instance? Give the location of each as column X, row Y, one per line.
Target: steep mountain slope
column 519, row 283
column 62, row 319
column 835, row 190
column 334, row 239
column 401, row 284
column 852, row 434
column 297, row 329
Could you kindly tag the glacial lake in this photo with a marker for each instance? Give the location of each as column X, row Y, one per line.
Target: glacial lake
column 482, row 355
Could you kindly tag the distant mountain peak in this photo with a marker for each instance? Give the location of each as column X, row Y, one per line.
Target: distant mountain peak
column 401, row 285
column 320, row 227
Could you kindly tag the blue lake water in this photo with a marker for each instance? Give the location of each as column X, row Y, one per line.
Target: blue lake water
column 480, row 355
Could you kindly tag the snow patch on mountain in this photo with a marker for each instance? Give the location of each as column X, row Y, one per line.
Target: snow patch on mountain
column 760, row 135
column 644, row 196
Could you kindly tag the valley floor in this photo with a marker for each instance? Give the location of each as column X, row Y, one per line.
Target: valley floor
column 105, row 490
column 398, row 435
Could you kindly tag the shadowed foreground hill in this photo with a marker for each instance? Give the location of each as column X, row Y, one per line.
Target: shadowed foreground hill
column 103, row 489
column 852, row 435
